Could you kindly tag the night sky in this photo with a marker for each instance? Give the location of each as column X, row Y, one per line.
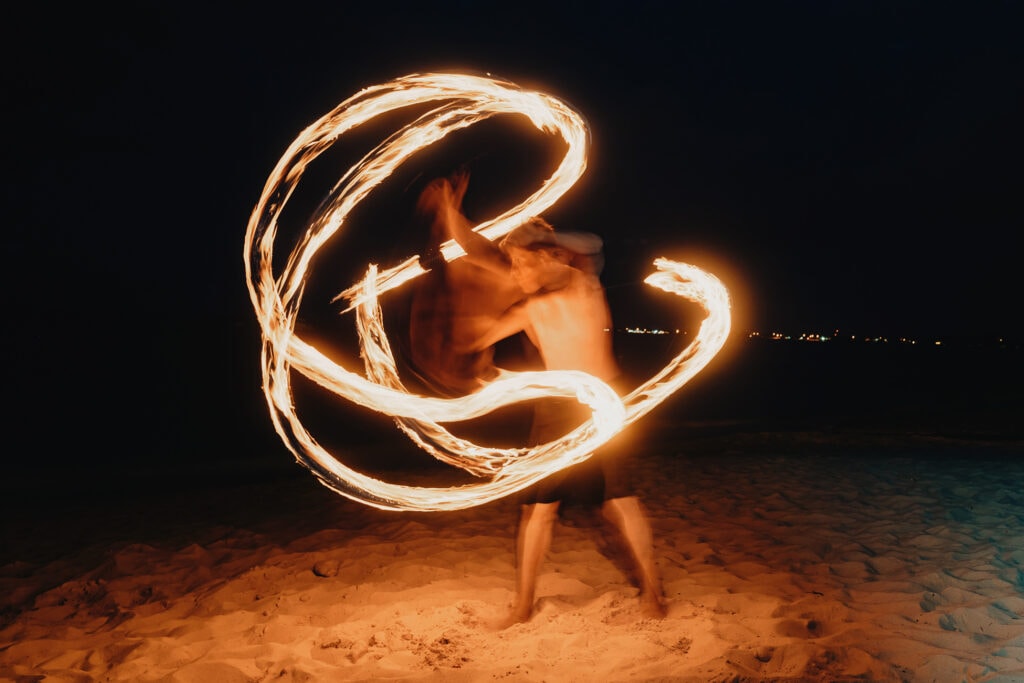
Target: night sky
column 851, row 165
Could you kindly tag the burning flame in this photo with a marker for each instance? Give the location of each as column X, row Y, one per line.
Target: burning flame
column 462, row 100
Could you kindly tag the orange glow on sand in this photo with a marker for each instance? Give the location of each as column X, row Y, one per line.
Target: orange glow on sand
column 462, row 100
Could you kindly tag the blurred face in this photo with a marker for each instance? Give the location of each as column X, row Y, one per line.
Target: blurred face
column 534, row 269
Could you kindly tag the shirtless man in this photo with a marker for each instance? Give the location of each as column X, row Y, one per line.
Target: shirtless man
column 565, row 314
column 453, row 300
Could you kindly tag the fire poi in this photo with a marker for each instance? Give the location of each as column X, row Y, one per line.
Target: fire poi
column 462, row 100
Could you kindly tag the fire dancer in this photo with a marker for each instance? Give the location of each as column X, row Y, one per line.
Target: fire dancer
column 454, row 299
column 565, row 314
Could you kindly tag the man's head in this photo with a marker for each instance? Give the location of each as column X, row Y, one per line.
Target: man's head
column 537, row 232
column 539, row 255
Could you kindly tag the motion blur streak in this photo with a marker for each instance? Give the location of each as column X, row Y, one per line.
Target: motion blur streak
column 462, row 100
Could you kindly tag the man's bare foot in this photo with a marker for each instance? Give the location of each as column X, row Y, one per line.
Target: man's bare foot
column 652, row 606
column 518, row 615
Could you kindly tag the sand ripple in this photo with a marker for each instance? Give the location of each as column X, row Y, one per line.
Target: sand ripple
column 777, row 568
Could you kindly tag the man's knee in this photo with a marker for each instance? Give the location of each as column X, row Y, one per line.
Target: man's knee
column 540, row 513
column 621, row 507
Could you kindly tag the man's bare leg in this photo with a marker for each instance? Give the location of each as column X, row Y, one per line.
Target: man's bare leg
column 534, row 539
column 629, row 518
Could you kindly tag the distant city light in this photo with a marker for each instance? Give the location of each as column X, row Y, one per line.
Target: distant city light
column 644, row 330
column 821, row 337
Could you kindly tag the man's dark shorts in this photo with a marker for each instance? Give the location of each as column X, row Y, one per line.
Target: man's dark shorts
column 603, row 476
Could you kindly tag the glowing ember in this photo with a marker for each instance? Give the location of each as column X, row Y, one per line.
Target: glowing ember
column 462, row 101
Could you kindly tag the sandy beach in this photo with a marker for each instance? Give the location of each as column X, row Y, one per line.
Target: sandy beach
column 796, row 556
column 200, row 200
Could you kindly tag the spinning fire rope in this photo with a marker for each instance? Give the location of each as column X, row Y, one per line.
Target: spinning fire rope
column 462, row 100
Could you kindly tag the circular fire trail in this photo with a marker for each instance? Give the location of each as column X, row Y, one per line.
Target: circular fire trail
column 461, row 101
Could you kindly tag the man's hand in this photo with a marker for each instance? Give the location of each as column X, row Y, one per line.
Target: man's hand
column 457, row 183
